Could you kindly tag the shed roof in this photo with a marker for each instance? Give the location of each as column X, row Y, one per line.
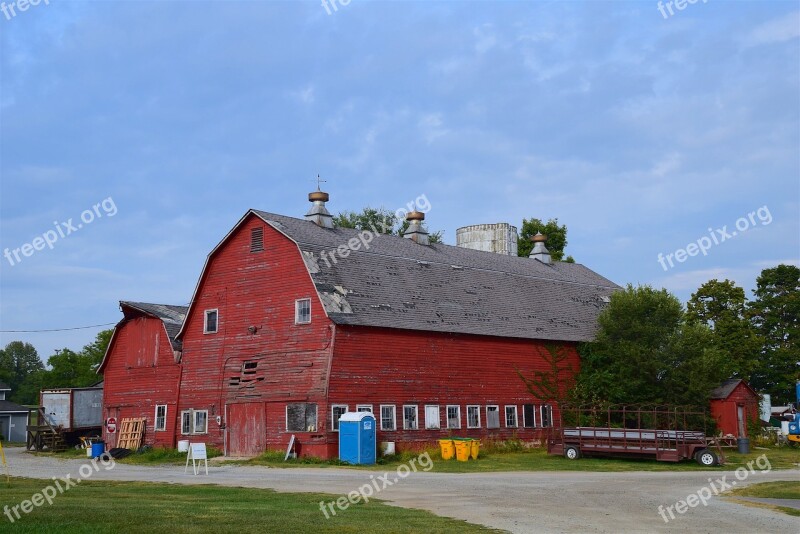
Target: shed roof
column 11, row 407
column 397, row 283
column 727, row 387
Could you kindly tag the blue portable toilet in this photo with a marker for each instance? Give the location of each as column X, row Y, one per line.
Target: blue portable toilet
column 357, row 438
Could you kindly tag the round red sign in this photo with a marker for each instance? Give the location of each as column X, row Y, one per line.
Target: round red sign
column 111, row 425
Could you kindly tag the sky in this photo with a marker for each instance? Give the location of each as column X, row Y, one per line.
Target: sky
column 134, row 135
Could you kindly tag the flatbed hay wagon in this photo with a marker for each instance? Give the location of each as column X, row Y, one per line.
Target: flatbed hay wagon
column 661, row 433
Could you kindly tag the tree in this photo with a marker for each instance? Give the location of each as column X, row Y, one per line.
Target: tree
column 775, row 314
column 96, row 350
column 721, row 307
column 553, row 384
column 19, row 360
column 556, row 238
column 378, row 219
column 646, row 353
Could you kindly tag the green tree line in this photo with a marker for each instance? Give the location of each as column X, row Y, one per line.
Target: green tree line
column 23, row 371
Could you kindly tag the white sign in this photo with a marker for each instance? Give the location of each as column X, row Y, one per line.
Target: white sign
column 367, row 425
column 197, row 452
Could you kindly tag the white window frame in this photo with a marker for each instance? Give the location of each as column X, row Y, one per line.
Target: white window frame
column 438, row 422
column 192, row 414
column 478, row 411
column 542, row 409
column 447, row 416
column 334, row 421
column 163, row 426
column 315, row 426
column 394, row 417
column 416, row 416
column 360, row 408
column 205, row 321
column 186, row 429
column 497, row 408
column 194, row 421
column 297, row 311
column 525, row 419
column 516, row 416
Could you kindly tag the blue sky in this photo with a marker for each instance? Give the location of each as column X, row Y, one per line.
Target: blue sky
column 638, row 131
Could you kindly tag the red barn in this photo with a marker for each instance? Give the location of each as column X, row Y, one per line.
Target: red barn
column 734, row 404
column 142, row 371
column 294, row 322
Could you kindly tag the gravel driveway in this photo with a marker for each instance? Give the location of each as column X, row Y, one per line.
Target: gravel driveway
column 517, row 502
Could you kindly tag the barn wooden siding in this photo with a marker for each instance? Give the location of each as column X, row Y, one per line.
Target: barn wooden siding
column 400, row 367
column 139, row 374
column 255, row 289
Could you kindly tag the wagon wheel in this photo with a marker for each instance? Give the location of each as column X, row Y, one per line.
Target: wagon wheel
column 707, row 458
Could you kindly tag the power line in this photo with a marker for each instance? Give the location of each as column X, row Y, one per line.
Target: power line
column 53, row 329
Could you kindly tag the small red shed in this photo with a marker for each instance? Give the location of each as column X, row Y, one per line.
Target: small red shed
column 733, row 405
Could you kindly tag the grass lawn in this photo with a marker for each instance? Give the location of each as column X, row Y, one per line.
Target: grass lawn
column 771, row 490
column 539, row 460
column 98, row 507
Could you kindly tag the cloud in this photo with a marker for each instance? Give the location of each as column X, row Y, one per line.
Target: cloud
column 778, row 30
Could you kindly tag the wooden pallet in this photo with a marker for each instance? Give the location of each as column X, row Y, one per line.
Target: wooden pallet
column 130, row 433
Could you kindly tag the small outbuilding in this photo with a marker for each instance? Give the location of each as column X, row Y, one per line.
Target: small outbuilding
column 734, row 404
column 13, row 417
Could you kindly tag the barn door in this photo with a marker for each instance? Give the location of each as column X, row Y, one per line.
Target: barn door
column 247, row 429
column 111, row 439
column 740, row 419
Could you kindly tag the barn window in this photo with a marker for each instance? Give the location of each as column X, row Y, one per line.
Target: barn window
column 492, row 417
column 257, row 239
column 302, row 311
column 161, row 417
column 337, row 410
column 528, row 417
column 511, row 416
column 410, row 417
column 194, row 421
column 210, row 322
column 387, row 417
column 473, row 416
column 547, row 416
column 249, row 368
column 454, row 417
column 432, row 417
column 301, row 417
column 364, row 408
column 186, row 422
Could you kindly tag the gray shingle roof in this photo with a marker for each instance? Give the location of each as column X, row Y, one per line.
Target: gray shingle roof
column 726, row 388
column 397, row 283
column 172, row 316
column 4, row 387
column 8, row 406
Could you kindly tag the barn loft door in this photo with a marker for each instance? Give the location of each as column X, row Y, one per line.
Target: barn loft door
column 247, row 429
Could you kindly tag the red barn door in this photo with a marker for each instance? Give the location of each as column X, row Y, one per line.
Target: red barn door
column 247, row 429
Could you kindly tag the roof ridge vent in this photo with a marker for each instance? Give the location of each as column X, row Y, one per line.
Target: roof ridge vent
column 416, row 230
column 318, row 213
column 540, row 251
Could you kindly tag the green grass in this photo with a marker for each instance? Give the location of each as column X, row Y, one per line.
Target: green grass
column 539, row 460
column 99, row 507
column 153, row 456
column 770, row 490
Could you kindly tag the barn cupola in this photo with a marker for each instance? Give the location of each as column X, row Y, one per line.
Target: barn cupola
column 416, row 230
column 539, row 251
column 318, row 213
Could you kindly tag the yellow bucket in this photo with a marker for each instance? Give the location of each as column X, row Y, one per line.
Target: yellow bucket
column 462, row 450
column 475, row 446
column 448, row 450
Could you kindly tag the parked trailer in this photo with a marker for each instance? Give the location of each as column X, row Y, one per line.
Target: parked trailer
column 65, row 416
column 622, row 435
